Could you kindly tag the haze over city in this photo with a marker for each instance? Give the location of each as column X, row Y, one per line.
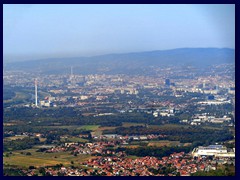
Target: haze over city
column 55, row 31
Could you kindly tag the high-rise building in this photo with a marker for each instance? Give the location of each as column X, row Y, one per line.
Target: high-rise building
column 167, row 82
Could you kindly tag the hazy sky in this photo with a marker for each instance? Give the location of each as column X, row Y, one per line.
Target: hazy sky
column 42, row 31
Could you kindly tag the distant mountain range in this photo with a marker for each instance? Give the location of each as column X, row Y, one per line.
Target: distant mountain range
column 129, row 62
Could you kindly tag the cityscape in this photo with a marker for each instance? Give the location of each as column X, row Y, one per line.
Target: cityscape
column 134, row 107
column 147, row 113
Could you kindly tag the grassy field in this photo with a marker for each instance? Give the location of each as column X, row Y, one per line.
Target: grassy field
column 18, row 97
column 14, row 138
column 163, row 143
column 127, row 124
column 74, row 139
column 38, row 159
column 43, row 94
column 89, row 127
column 9, row 124
column 131, row 146
column 133, row 157
column 210, row 127
column 59, row 127
column 100, row 130
column 85, row 127
column 170, row 126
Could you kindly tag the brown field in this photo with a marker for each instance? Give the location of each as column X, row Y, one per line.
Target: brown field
column 100, row 130
column 9, row 124
column 14, row 138
column 132, row 146
column 163, row 143
column 187, row 144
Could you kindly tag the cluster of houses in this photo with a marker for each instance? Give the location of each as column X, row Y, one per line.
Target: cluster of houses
column 176, row 164
column 126, row 138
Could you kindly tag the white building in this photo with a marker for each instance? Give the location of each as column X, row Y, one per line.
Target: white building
column 83, row 97
column 212, row 150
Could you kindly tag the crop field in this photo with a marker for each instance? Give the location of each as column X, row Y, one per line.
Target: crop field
column 163, row 143
column 99, row 130
column 89, row 127
column 14, row 138
column 85, row 127
column 132, row 146
column 74, row 139
column 39, row 159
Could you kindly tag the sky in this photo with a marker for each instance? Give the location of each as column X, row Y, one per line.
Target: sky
column 41, row 31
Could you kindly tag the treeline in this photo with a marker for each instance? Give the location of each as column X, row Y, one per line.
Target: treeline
column 155, row 151
column 73, row 116
column 13, row 171
column 226, row 170
column 174, row 133
column 25, row 143
column 45, row 130
column 8, row 94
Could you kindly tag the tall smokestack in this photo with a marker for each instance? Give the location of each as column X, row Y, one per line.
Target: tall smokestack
column 36, row 104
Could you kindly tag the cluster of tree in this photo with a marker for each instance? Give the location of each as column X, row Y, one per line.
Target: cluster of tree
column 63, row 116
column 8, row 94
column 228, row 170
column 154, row 151
column 12, row 172
column 73, row 116
column 28, row 114
column 165, row 170
column 174, row 133
column 25, row 143
column 46, row 130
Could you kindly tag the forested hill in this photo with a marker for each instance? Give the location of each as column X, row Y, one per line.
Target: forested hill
column 129, row 62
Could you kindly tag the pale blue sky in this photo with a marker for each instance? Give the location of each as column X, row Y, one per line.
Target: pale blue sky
column 43, row 31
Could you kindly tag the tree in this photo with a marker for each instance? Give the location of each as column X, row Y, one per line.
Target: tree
column 42, row 171
column 31, row 167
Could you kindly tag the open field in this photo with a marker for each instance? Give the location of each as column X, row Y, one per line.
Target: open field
column 131, row 146
column 127, row 124
column 163, row 143
column 133, row 157
column 100, row 130
column 12, row 138
column 89, row 127
column 38, row 159
column 170, row 126
column 211, row 127
column 85, row 127
column 74, row 139
column 9, row 124
column 19, row 96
